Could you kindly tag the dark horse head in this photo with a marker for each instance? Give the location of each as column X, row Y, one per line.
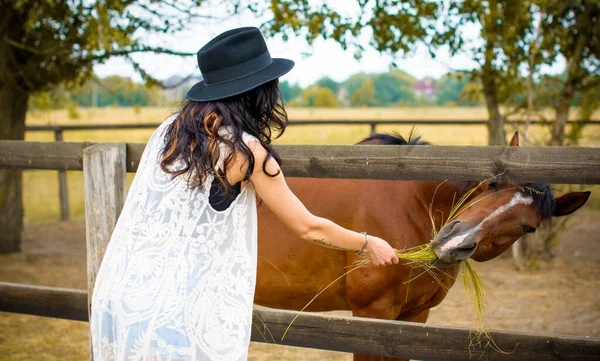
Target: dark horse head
column 494, row 215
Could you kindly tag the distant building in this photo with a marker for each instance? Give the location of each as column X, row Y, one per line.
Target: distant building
column 342, row 96
column 425, row 89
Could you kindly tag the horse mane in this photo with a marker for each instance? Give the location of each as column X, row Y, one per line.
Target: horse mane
column 542, row 194
column 396, row 139
column 543, row 197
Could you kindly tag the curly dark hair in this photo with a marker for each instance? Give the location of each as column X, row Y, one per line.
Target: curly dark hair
column 193, row 136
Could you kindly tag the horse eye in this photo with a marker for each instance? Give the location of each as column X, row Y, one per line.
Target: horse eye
column 528, row 229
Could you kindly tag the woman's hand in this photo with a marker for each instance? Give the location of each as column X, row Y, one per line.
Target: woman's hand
column 276, row 195
column 380, row 252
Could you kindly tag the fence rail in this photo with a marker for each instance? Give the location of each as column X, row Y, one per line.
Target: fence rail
column 105, row 165
column 575, row 165
column 338, row 333
column 372, row 123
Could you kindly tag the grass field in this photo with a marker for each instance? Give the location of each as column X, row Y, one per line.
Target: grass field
column 41, row 187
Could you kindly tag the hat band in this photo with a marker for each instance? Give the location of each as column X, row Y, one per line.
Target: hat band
column 238, row 71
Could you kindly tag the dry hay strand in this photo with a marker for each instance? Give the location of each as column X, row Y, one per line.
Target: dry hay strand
column 423, row 257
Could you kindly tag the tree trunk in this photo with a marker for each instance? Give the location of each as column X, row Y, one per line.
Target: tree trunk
column 568, row 92
column 496, row 135
column 562, row 113
column 13, row 108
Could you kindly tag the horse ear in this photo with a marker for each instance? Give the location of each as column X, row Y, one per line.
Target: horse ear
column 514, row 142
column 570, row 202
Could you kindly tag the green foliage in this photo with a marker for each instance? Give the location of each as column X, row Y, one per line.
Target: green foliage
column 318, row 97
column 471, row 94
column 450, row 90
column 572, row 29
column 327, row 82
column 57, row 42
column 55, row 98
column 393, row 87
column 354, row 82
column 289, row 92
column 118, row 91
column 72, row 110
column 365, row 95
column 394, row 26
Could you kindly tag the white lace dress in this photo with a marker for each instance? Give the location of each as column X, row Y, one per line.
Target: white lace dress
column 177, row 278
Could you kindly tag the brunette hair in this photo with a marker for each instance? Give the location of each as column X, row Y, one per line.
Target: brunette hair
column 194, row 139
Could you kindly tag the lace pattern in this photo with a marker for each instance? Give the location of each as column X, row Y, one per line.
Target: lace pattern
column 177, row 278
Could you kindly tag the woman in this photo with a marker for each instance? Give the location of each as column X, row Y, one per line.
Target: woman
column 177, row 279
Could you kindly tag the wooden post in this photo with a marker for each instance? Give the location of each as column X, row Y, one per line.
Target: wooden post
column 373, row 128
column 62, row 183
column 105, row 188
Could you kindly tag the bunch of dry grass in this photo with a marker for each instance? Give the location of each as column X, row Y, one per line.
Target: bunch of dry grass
column 423, row 257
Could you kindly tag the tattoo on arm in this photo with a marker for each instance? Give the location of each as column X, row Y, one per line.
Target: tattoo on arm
column 322, row 242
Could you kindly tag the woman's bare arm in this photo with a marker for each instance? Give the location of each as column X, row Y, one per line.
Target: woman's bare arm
column 276, row 195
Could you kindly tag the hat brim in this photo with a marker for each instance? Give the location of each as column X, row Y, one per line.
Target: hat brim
column 201, row 92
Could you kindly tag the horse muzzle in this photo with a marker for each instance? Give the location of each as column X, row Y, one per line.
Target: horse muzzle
column 455, row 242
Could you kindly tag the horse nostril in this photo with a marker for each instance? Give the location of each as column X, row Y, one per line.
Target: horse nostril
column 468, row 247
column 449, row 228
column 452, row 225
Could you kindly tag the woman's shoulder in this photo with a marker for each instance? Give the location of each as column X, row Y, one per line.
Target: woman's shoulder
column 247, row 137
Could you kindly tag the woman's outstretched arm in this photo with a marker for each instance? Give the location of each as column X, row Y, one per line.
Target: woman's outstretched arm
column 276, row 195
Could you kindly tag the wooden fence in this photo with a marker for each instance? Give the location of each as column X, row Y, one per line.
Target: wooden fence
column 59, row 130
column 105, row 165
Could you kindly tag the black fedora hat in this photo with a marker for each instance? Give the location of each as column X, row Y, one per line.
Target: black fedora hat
column 234, row 62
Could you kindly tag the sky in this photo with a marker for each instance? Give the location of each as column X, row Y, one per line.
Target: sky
column 323, row 58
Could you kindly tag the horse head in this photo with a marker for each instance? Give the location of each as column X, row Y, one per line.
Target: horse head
column 498, row 214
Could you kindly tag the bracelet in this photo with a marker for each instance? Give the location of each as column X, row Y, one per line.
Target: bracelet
column 365, row 245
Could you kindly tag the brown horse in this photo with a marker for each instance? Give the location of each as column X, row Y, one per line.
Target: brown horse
column 291, row 271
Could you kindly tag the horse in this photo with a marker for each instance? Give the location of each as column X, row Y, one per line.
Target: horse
column 292, row 271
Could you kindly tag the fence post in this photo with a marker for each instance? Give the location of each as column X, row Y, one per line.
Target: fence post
column 62, row 182
column 105, row 188
column 373, row 127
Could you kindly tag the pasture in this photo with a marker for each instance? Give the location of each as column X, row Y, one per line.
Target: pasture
column 558, row 298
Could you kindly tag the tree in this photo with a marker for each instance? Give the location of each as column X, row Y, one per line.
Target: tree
column 393, row 87
column 505, row 29
column 354, row 82
column 449, row 89
column 397, row 26
column 572, row 29
column 115, row 90
column 318, row 97
column 365, row 95
column 48, row 43
column 327, row 82
column 289, row 92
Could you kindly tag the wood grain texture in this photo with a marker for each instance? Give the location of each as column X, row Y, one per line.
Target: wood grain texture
column 567, row 165
column 42, row 155
column 340, row 333
column 63, row 192
column 414, row 340
column 65, row 303
column 105, row 188
column 574, row 165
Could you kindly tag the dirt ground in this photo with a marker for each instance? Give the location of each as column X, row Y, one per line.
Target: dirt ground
column 558, row 297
